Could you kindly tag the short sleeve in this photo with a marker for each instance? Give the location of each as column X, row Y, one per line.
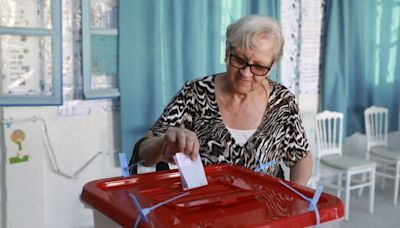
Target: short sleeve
column 295, row 145
column 177, row 112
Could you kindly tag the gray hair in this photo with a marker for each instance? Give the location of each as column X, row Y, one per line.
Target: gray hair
column 240, row 33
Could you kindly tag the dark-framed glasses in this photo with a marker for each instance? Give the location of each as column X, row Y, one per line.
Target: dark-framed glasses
column 255, row 69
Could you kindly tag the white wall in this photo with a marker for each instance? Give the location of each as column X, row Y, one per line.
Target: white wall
column 83, row 137
column 37, row 194
column 2, row 177
column 308, row 106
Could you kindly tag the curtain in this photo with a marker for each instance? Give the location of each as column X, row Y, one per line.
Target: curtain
column 162, row 44
column 361, row 60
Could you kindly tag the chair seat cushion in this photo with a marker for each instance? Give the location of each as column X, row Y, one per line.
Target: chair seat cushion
column 384, row 152
column 344, row 162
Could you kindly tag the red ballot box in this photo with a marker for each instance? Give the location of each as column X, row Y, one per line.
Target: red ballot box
column 234, row 197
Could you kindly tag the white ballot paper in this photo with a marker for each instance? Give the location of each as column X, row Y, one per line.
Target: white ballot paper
column 192, row 172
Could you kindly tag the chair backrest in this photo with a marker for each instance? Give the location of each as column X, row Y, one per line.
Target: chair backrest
column 329, row 130
column 376, row 126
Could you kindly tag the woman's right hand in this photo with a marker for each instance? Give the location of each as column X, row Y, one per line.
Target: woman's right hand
column 180, row 140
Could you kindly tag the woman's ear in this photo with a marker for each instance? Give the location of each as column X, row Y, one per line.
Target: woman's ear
column 226, row 54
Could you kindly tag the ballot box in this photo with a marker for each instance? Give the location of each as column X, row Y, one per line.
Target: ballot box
column 234, row 197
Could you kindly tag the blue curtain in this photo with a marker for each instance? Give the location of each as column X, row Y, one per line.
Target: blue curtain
column 162, row 44
column 361, row 60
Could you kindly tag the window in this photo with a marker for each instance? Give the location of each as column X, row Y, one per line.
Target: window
column 30, row 52
column 230, row 11
column 100, row 48
column 392, row 40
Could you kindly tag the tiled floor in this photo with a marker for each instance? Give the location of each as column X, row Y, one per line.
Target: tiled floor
column 385, row 213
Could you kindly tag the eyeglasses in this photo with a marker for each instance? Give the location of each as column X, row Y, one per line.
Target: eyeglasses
column 240, row 63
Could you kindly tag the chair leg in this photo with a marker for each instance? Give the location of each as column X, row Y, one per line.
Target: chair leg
column 383, row 178
column 339, row 185
column 363, row 179
column 396, row 183
column 347, row 197
column 372, row 191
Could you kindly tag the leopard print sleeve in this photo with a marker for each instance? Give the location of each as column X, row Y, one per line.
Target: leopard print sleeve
column 295, row 144
column 178, row 111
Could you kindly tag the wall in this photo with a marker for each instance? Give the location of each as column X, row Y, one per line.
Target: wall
column 65, row 146
column 49, row 187
column 2, row 176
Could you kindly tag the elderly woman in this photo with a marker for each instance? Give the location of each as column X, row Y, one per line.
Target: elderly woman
column 237, row 117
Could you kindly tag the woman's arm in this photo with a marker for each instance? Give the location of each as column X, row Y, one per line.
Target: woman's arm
column 301, row 171
column 150, row 149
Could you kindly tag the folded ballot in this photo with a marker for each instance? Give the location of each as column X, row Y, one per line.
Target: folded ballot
column 192, row 172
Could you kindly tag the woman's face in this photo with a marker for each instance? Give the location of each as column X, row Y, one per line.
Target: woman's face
column 243, row 80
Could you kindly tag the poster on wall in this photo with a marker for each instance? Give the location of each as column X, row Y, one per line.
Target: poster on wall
column 301, row 25
column 290, row 14
column 311, row 30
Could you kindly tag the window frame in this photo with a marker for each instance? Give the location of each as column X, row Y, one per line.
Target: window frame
column 87, row 32
column 56, row 38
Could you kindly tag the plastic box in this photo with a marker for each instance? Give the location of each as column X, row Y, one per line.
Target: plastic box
column 234, row 197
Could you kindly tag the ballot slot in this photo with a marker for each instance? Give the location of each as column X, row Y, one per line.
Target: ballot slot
column 217, row 193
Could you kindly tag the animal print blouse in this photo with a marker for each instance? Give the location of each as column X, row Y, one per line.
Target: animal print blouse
column 280, row 135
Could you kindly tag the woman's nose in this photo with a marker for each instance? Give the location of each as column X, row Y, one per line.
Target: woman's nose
column 246, row 72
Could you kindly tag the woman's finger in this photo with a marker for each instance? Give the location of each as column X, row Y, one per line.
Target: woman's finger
column 170, row 137
column 181, row 139
column 190, row 140
column 195, row 150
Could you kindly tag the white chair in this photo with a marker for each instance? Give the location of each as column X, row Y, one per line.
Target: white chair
column 388, row 160
column 329, row 128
